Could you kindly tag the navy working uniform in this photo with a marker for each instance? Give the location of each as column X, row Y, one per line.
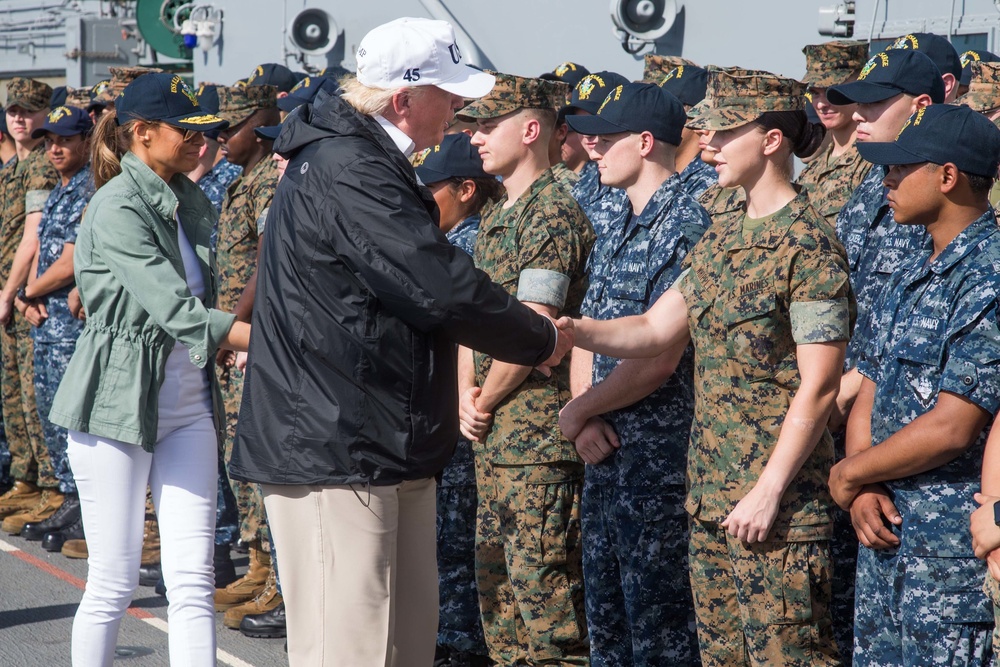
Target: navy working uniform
column 55, row 339
column 639, row 605
column 698, row 176
column 936, row 330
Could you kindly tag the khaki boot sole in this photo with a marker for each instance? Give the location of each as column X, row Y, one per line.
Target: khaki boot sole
column 234, row 615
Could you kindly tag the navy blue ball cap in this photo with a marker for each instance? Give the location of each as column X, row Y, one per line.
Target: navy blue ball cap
column 972, row 56
column 166, row 98
column 636, row 107
column 59, row 95
column 268, row 132
column 273, row 74
column 935, row 47
column 66, row 122
column 687, row 83
column 592, row 89
column 305, row 91
column 455, row 157
column 941, row 133
column 891, row 73
column 208, row 97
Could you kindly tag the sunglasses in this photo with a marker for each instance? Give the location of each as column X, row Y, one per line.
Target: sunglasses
column 187, row 136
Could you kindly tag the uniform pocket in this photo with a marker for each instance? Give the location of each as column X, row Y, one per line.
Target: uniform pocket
column 547, row 520
column 754, row 343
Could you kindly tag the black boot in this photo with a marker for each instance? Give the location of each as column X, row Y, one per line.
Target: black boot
column 64, row 517
column 150, row 574
column 54, row 541
column 161, row 588
column 268, row 625
column 225, row 569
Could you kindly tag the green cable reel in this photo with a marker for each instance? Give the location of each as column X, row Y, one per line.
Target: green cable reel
column 156, row 20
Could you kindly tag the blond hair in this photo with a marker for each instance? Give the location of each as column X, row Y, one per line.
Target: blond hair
column 110, row 143
column 372, row 101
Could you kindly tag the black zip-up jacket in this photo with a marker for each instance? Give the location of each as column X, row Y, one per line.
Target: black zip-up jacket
column 360, row 301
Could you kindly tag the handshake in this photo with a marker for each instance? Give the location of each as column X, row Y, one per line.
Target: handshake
column 565, row 340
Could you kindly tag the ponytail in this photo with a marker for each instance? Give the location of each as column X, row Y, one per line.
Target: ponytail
column 803, row 136
column 109, row 143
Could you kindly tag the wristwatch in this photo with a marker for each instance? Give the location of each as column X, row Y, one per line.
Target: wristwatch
column 22, row 295
column 996, row 512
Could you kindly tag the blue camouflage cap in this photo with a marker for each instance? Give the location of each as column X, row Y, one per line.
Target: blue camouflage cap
column 455, row 157
column 941, row 134
column 891, row 73
column 65, row 122
column 636, row 107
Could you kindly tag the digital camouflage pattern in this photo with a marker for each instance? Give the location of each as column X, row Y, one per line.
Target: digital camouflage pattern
column 24, row 188
column 753, row 295
column 639, row 610
column 984, row 87
column 238, row 104
column 656, row 67
column 544, row 230
column 834, row 63
column 529, row 563
column 936, row 330
column 459, row 626
column 214, row 184
column 737, row 97
column 242, row 220
column 51, row 360
column 992, row 589
column 831, row 180
column 511, row 93
column 600, row 203
column 78, row 98
column 28, row 94
column 876, row 247
column 60, row 223
column 722, row 202
column 565, row 176
column 120, row 78
column 766, row 603
column 697, row 177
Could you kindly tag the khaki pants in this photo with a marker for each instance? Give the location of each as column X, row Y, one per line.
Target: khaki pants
column 358, row 572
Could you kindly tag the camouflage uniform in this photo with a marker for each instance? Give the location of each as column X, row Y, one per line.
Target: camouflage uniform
column 876, row 247
column 936, row 329
column 214, row 184
column 459, row 625
column 55, row 340
column 639, row 612
column 600, row 203
column 120, row 78
column 564, row 175
column 656, row 67
column 529, row 478
column 720, row 201
column 24, row 188
column 984, row 96
column 241, row 223
column 753, row 294
column 830, row 180
column 698, row 177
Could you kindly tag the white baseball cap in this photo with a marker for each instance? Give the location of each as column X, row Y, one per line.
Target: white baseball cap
column 418, row 52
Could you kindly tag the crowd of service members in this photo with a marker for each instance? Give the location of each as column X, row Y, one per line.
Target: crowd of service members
column 795, row 409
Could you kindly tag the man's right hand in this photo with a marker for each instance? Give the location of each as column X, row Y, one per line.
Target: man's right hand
column 565, row 338
column 473, row 423
column 596, row 441
column 869, row 511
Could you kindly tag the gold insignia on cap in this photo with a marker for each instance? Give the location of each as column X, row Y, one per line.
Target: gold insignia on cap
column 906, row 42
column 616, row 94
column 968, row 57
column 588, row 85
column 57, row 114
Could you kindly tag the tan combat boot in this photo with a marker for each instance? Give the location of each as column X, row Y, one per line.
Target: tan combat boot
column 22, row 496
column 250, row 585
column 150, row 541
column 265, row 601
column 75, row 549
column 46, row 506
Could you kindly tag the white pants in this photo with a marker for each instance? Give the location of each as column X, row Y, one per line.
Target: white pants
column 358, row 572
column 182, row 473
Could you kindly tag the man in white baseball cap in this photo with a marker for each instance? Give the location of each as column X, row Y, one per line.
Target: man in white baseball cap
column 350, row 403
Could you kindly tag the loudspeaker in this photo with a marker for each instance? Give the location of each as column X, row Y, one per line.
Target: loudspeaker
column 646, row 20
column 313, row 32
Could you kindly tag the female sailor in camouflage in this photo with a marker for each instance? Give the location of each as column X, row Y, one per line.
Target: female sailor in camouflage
column 766, row 303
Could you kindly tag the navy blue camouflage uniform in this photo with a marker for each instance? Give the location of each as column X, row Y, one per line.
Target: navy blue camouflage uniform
column 214, row 184
column 935, row 330
column 601, row 203
column 698, row 176
column 638, row 597
column 55, row 339
column 459, row 625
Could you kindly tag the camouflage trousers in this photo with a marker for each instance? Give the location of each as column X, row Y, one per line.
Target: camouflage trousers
column 992, row 589
column 844, row 550
column 639, row 605
column 459, row 625
column 227, row 518
column 29, row 457
column 913, row 610
column 762, row 604
column 249, row 501
column 529, row 563
column 51, row 360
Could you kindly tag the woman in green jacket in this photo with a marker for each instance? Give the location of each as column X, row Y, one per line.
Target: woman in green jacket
column 138, row 396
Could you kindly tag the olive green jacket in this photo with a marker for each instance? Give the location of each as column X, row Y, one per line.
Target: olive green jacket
column 129, row 270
